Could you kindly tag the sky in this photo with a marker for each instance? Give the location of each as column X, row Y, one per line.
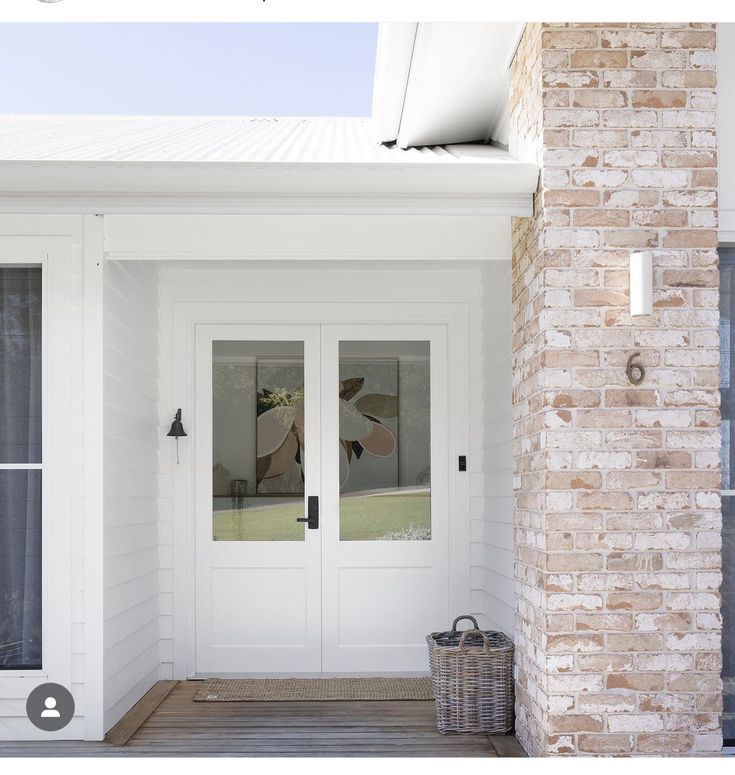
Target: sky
column 188, row 69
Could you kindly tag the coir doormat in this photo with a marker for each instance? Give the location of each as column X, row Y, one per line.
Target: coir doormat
column 313, row 689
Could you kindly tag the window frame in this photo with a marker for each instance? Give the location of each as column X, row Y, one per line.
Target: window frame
column 53, row 256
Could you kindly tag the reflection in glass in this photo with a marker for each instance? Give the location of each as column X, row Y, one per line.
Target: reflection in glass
column 258, row 441
column 384, row 440
column 20, row 365
column 20, row 489
column 20, row 569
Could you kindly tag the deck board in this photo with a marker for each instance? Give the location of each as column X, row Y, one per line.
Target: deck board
column 132, row 721
column 181, row 727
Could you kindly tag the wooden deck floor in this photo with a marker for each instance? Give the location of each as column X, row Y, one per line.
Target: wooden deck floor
column 181, row 727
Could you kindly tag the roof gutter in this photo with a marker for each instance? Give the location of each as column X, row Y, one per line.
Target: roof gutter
column 502, row 187
column 506, row 176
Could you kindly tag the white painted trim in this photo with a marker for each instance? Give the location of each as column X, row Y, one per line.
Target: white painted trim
column 94, row 558
column 330, row 257
column 513, row 50
column 726, row 231
column 304, row 237
column 178, row 324
column 53, row 254
column 455, row 203
column 458, row 356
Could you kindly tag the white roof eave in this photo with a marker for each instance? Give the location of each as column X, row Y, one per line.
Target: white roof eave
column 443, row 82
column 90, row 159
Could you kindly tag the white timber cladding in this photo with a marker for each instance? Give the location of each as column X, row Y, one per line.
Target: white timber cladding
column 131, row 634
column 493, row 584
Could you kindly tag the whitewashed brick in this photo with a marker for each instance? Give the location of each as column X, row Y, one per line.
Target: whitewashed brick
column 617, row 505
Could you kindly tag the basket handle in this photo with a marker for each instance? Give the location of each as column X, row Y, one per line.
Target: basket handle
column 459, row 619
column 486, row 643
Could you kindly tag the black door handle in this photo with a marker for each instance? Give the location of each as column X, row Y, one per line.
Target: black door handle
column 312, row 513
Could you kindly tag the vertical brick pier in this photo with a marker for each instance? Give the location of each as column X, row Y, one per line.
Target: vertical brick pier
column 617, row 501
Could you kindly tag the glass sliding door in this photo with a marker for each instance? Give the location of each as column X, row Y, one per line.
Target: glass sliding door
column 20, row 467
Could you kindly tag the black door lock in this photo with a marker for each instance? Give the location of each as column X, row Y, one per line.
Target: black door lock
column 312, row 513
column 462, row 462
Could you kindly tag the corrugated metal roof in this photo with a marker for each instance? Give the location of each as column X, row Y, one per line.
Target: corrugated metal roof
column 214, row 139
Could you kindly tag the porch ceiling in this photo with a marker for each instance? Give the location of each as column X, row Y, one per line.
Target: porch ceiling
column 240, row 155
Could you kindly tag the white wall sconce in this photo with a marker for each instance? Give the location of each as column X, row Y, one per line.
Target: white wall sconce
column 641, row 283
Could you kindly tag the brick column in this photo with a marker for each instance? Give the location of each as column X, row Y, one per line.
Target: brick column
column 617, row 505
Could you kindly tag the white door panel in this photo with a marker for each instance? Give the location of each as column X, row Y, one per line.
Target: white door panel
column 258, row 605
column 382, row 596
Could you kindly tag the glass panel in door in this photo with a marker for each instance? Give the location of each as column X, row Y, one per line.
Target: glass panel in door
column 384, row 441
column 257, row 440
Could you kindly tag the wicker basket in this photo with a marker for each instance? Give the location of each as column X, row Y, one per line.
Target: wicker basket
column 472, row 677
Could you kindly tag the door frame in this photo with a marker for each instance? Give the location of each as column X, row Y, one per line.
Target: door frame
column 178, row 378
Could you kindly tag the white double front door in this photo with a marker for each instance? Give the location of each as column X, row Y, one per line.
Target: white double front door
column 346, row 425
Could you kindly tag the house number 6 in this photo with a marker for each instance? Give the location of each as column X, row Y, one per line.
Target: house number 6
column 635, row 371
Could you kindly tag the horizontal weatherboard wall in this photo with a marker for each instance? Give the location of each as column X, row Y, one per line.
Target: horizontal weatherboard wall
column 131, row 629
column 493, row 585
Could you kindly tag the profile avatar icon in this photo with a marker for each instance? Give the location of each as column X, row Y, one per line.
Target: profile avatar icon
column 50, row 712
column 50, row 707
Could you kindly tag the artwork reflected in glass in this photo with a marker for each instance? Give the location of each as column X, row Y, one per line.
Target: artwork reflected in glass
column 258, row 441
column 258, row 460
column 280, row 427
column 385, row 450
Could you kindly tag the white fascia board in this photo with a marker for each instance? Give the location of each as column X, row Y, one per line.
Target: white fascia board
column 490, row 177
